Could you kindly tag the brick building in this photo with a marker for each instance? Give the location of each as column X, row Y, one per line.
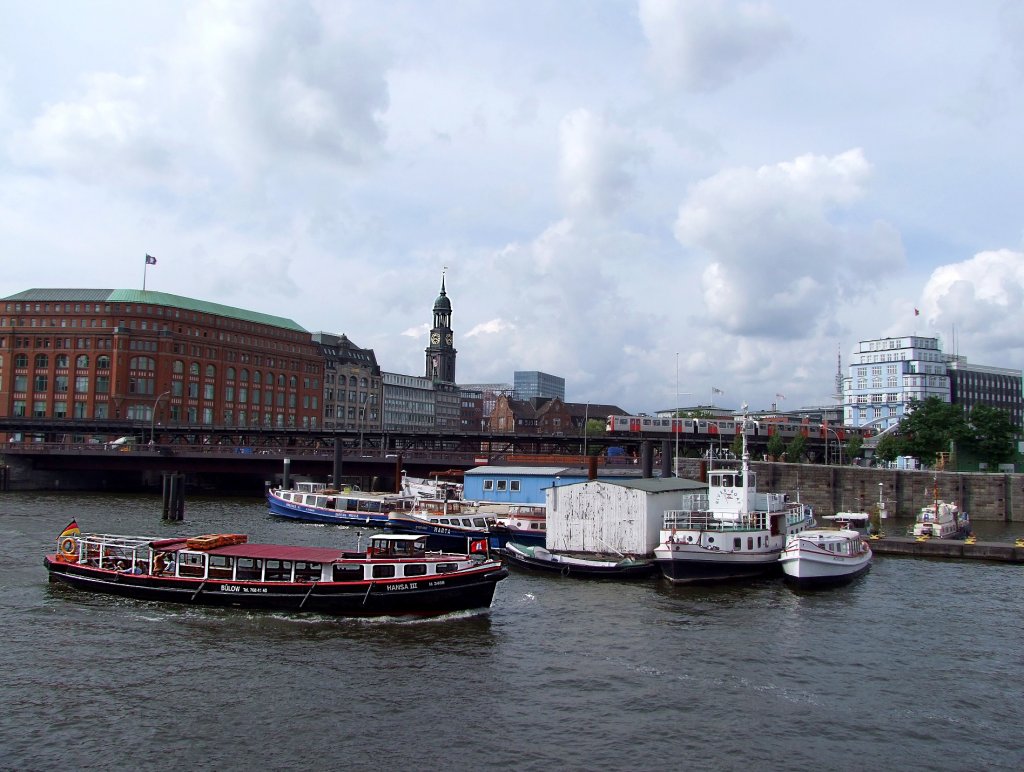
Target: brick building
column 137, row 355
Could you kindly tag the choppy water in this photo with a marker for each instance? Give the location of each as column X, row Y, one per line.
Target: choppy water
column 918, row 665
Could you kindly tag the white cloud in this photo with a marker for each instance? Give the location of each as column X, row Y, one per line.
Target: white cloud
column 982, row 300
column 777, row 252
column 596, row 163
column 702, row 45
column 491, row 327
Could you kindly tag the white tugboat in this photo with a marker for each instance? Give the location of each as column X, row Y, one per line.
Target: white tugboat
column 731, row 532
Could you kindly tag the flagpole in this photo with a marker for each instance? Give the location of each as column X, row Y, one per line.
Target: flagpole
column 145, row 268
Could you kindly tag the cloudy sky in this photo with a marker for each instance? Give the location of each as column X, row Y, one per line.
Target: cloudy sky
column 643, row 197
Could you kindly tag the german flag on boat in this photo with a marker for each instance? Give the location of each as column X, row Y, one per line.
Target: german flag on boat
column 71, row 530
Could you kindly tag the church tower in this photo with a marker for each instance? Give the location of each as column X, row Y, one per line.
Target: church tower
column 441, row 351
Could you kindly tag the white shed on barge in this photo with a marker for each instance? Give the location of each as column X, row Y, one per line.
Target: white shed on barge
column 623, row 516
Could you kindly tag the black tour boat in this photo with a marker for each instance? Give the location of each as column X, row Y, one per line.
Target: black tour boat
column 396, row 575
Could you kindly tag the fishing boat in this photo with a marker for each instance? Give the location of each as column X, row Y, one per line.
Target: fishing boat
column 581, row 565
column 825, row 556
column 525, row 524
column 316, row 502
column 731, row 532
column 396, row 574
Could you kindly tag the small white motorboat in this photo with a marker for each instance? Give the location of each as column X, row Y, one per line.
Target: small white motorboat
column 824, row 556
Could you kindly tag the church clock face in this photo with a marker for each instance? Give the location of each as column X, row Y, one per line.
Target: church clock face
column 448, row 339
column 435, row 338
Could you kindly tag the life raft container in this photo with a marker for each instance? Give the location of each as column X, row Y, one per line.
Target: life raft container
column 214, row 540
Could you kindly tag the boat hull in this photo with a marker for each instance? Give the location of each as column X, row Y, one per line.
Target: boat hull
column 579, row 568
column 443, row 537
column 803, row 572
column 438, row 595
column 686, row 564
column 825, row 557
column 308, row 514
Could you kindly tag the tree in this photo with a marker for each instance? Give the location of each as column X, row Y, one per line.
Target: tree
column 991, row 434
column 795, row 449
column 889, row 447
column 854, row 446
column 776, row 446
column 737, row 446
column 930, row 426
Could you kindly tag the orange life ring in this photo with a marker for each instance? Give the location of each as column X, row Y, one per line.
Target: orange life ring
column 68, row 547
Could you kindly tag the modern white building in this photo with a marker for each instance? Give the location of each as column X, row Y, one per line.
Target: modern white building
column 885, row 374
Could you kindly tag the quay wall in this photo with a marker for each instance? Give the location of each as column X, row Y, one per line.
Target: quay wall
column 831, row 489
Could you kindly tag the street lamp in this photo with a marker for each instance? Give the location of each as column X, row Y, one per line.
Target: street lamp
column 838, row 444
column 152, row 418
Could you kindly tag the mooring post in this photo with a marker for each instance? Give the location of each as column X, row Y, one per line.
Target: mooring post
column 286, row 475
column 336, row 479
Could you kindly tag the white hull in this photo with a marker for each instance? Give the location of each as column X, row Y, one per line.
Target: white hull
column 825, row 556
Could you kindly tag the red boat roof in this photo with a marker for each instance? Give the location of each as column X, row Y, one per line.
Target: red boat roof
column 280, row 552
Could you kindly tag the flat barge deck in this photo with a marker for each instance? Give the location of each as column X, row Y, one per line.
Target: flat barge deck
column 911, row 546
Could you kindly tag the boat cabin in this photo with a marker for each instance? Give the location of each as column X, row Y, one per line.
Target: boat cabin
column 229, row 558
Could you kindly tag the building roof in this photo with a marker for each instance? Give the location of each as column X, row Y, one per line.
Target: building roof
column 655, row 484
column 66, row 295
column 525, row 471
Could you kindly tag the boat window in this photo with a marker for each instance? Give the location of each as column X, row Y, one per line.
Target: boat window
column 750, row 542
column 415, row 569
column 443, row 520
column 467, row 522
column 330, row 502
column 383, row 572
column 249, row 569
column 502, row 484
column 534, row 526
column 307, row 572
column 278, row 571
column 479, row 522
column 447, row 568
column 220, row 567
column 347, row 573
column 190, row 564
column 737, row 543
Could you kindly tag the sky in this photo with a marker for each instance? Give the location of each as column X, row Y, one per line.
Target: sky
column 653, row 199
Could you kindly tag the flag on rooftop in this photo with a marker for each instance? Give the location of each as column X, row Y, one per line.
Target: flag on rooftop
column 917, row 312
column 781, row 396
column 150, row 260
column 716, row 390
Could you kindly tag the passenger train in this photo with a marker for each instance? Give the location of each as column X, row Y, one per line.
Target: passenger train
column 637, row 425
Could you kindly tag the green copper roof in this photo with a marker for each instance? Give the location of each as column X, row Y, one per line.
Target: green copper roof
column 153, row 298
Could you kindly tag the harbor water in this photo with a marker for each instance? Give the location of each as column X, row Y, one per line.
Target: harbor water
column 917, row 665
